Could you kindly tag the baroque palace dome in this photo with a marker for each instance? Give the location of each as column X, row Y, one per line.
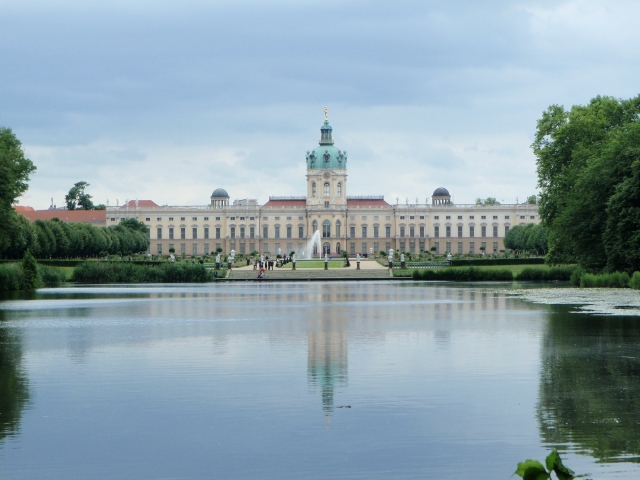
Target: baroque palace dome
column 441, row 192
column 219, row 193
column 326, row 156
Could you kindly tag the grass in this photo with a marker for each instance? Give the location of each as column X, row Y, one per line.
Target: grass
column 316, row 264
column 68, row 272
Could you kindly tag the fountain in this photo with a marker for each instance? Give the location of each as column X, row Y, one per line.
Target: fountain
column 315, row 241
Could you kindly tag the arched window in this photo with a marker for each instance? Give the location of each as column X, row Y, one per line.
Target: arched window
column 339, row 189
column 326, row 189
column 326, row 229
column 338, row 228
column 313, row 189
column 326, row 248
column 314, row 226
column 338, row 250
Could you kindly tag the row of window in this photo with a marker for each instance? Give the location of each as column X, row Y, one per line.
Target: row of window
column 482, row 217
column 234, row 232
column 472, row 231
column 352, row 247
column 205, row 250
column 242, row 232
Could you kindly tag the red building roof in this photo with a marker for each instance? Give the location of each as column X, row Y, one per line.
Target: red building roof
column 22, row 209
column 366, row 203
column 95, row 217
column 285, row 203
column 141, row 204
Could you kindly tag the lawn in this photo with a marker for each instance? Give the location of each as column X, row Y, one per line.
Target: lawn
column 316, row 264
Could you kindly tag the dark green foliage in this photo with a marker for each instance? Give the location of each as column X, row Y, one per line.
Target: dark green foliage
column 605, row 280
column 534, row 470
column 14, row 174
column 546, row 274
column 127, row 272
column 635, row 281
column 77, row 199
column 51, row 276
column 56, row 239
column 31, row 274
column 467, row 274
column 588, row 172
column 530, row 237
column 576, row 275
column 495, row 261
column 11, row 277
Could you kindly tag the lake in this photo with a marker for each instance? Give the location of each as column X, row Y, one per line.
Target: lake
column 312, row 380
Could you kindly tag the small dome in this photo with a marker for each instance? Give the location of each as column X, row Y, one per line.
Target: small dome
column 441, row 192
column 219, row 193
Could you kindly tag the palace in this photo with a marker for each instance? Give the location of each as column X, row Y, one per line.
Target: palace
column 357, row 224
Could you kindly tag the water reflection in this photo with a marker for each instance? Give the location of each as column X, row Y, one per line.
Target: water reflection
column 590, row 385
column 14, row 385
column 327, row 359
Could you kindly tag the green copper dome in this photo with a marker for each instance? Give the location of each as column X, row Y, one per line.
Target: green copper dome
column 326, row 156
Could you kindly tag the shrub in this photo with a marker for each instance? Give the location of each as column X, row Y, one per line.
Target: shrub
column 576, row 276
column 635, row 281
column 469, row 274
column 125, row 272
column 550, row 274
column 496, row 261
column 605, row 280
column 31, row 275
column 52, row 276
column 11, row 277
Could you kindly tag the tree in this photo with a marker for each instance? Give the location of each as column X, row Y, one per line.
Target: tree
column 30, row 271
column 584, row 157
column 77, row 199
column 15, row 170
column 487, row 201
column 532, row 200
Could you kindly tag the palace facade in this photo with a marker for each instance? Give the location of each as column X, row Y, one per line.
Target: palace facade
column 357, row 224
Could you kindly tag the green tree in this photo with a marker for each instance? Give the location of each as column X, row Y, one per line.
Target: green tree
column 78, row 199
column 30, row 271
column 532, row 200
column 582, row 156
column 487, row 201
column 15, row 170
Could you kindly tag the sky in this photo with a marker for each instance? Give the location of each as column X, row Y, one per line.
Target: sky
column 170, row 100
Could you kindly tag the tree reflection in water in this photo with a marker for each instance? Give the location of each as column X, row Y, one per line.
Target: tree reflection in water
column 590, row 384
column 14, row 386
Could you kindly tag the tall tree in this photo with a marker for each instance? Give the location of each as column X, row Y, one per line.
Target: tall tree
column 78, row 199
column 15, row 170
column 581, row 162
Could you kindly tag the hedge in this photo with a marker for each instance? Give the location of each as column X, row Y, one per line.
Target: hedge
column 456, row 262
column 128, row 272
column 469, row 274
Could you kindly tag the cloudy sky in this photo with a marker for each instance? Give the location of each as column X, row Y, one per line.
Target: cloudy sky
column 169, row 100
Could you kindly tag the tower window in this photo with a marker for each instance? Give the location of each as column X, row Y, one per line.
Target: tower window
column 326, row 189
column 313, row 189
column 339, row 189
